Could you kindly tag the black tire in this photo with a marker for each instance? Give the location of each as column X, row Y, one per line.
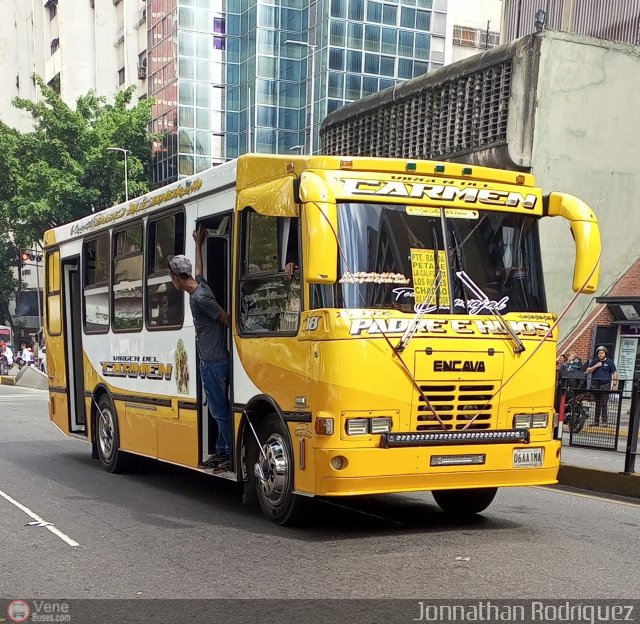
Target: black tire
column 464, row 502
column 580, row 420
column 107, row 437
column 275, row 492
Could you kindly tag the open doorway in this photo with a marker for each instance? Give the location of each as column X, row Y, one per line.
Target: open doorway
column 216, row 265
column 73, row 328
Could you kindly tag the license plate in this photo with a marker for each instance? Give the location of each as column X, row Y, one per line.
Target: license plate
column 528, row 458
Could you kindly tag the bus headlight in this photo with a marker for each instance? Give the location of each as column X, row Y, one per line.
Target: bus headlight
column 357, row 426
column 530, row 421
column 381, row 425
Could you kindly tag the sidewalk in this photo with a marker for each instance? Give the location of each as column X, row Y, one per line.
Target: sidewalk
column 597, row 470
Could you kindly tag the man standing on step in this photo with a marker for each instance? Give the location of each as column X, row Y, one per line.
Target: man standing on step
column 211, row 323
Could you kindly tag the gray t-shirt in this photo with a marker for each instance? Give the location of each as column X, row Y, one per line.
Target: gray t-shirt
column 211, row 332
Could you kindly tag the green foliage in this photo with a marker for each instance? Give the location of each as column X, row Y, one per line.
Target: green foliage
column 61, row 171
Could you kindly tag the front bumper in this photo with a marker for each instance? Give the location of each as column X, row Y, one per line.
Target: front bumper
column 388, row 470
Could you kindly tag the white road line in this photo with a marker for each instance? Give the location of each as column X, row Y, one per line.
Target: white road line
column 58, row 532
column 603, row 497
column 22, row 396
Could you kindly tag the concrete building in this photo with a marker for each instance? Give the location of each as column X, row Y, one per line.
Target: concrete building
column 75, row 47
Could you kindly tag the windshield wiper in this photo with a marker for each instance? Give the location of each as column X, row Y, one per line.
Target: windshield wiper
column 478, row 292
column 422, row 310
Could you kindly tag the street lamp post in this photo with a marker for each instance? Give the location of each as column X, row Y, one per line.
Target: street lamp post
column 312, row 52
column 126, row 176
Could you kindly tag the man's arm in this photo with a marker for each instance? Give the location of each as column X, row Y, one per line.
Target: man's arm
column 199, row 234
column 590, row 369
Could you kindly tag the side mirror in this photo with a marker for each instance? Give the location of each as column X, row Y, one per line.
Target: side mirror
column 586, row 233
column 320, row 230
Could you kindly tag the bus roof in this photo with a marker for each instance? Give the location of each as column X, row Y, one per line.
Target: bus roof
column 253, row 169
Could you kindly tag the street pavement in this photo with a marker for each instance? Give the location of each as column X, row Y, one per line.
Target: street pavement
column 169, row 532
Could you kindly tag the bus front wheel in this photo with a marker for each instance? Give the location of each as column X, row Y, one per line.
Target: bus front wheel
column 108, row 439
column 464, row 502
column 273, row 475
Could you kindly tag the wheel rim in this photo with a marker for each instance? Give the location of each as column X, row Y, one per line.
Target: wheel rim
column 275, row 467
column 105, row 432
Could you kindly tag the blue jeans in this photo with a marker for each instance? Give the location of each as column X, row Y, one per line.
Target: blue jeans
column 215, row 378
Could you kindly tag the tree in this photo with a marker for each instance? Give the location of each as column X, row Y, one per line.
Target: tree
column 61, row 171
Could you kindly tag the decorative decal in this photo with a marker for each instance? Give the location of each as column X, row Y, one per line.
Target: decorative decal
column 361, row 277
column 431, row 326
column 438, row 192
column 142, row 367
column 182, row 368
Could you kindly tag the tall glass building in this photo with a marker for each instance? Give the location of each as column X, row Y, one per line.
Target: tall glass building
column 235, row 76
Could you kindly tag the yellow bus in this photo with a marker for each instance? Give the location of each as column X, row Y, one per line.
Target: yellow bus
column 410, row 350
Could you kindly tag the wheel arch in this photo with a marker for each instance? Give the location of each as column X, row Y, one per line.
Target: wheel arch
column 256, row 410
column 98, row 392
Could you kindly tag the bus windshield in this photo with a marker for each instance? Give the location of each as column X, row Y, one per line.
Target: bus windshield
column 412, row 258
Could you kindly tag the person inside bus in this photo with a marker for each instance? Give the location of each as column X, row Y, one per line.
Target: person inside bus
column 211, row 323
column 604, row 377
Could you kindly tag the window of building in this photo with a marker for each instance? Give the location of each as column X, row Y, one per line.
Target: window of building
column 270, row 297
column 374, row 11
column 121, row 76
column 55, row 45
column 96, row 261
column 127, row 279
column 338, row 8
column 389, row 14
column 165, row 303
column 465, row 36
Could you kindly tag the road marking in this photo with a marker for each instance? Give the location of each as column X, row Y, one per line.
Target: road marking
column 22, row 396
column 47, row 525
column 603, row 497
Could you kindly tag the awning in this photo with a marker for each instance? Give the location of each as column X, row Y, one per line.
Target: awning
column 623, row 309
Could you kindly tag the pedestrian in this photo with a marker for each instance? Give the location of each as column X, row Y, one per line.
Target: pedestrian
column 604, row 377
column 211, row 323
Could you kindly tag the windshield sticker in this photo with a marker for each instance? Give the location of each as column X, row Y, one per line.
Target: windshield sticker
column 472, row 306
column 379, row 326
column 362, row 277
column 451, row 213
column 438, row 192
column 427, row 281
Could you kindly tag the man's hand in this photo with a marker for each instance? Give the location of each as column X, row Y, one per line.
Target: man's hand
column 199, row 234
column 289, row 269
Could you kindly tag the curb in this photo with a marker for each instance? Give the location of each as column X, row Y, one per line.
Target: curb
column 605, row 481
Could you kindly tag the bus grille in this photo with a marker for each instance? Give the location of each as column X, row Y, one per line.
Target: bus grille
column 456, row 404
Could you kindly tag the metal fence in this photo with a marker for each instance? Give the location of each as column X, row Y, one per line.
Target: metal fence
column 593, row 416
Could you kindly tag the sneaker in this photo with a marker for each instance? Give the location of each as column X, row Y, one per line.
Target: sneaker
column 216, row 459
column 223, row 466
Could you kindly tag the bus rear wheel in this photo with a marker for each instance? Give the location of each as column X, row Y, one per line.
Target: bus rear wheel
column 464, row 502
column 273, row 475
column 108, row 439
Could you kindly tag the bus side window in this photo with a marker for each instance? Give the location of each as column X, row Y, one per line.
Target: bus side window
column 165, row 304
column 127, row 279
column 270, row 300
column 96, row 285
column 54, row 301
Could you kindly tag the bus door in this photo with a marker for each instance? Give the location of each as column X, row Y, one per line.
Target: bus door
column 215, row 258
column 72, row 310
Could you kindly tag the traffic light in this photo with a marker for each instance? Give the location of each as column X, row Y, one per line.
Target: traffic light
column 28, row 255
